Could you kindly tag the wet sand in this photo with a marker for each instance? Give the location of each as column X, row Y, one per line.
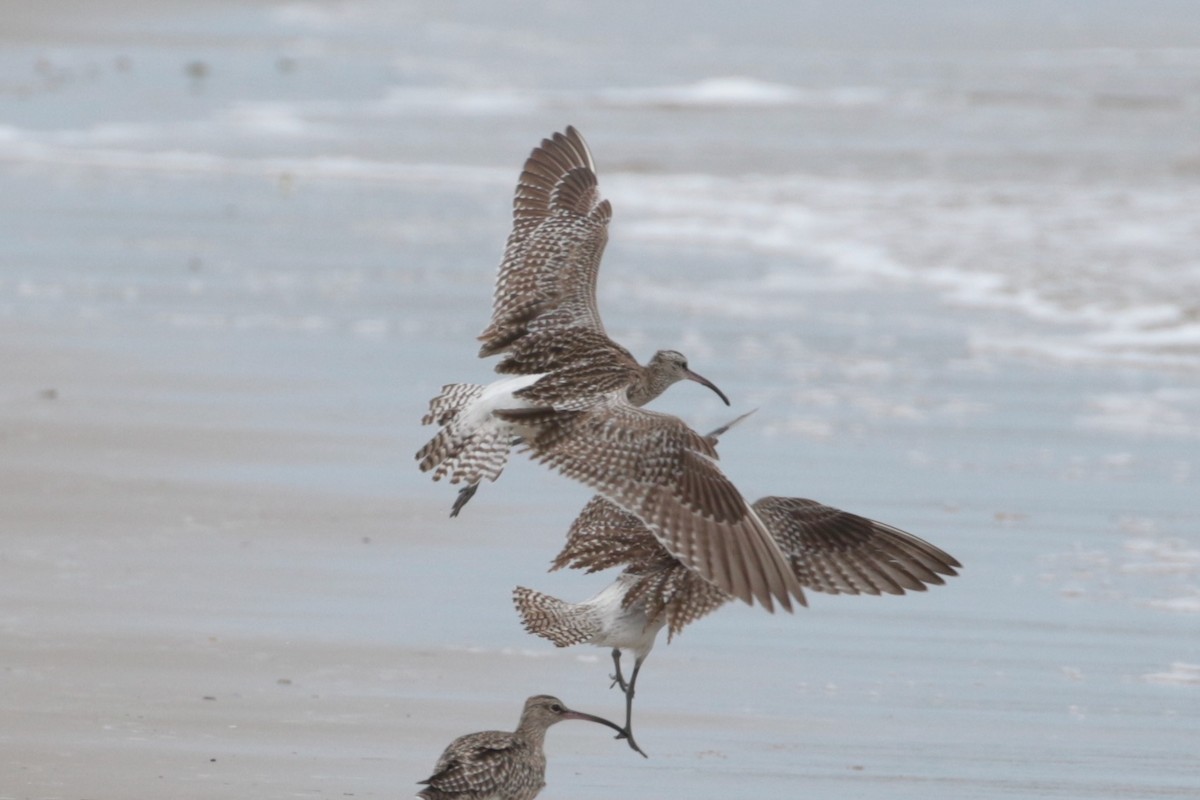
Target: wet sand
column 175, row 628
column 165, row 636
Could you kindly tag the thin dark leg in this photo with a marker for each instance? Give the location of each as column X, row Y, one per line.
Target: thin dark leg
column 629, row 692
column 617, row 678
column 464, row 496
column 627, row 733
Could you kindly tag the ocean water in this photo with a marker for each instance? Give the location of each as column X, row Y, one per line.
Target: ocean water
column 951, row 256
column 1054, row 182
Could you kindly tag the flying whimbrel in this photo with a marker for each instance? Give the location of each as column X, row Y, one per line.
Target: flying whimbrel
column 573, row 396
column 829, row 550
column 498, row 765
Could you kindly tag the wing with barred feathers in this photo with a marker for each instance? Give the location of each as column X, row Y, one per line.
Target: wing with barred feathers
column 837, row 552
column 576, row 366
column 605, row 535
column 655, row 467
column 547, row 280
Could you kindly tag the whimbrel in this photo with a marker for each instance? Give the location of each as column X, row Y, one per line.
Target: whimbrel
column 574, row 397
column 498, row 765
column 829, row 550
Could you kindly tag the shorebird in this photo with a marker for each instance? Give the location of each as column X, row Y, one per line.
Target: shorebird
column 829, row 550
column 574, row 397
column 498, row 765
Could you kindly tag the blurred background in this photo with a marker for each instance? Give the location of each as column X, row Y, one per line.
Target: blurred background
column 949, row 251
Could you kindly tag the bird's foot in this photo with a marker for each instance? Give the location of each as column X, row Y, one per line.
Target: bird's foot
column 619, row 680
column 627, row 735
column 464, row 496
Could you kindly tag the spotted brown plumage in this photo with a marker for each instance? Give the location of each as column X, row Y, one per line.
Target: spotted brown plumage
column 547, row 279
column 573, row 397
column 828, row 550
column 661, row 471
column 836, row 552
column 499, row 765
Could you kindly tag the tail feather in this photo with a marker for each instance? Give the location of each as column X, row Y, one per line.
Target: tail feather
column 466, row 456
column 457, row 450
column 453, row 399
column 560, row 622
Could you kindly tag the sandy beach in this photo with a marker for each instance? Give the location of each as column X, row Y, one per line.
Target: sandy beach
column 170, row 630
column 246, row 243
column 205, row 636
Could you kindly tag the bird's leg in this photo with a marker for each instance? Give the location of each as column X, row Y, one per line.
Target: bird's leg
column 627, row 733
column 617, row 678
column 467, row 492
column 629, row 692
column 464, row 496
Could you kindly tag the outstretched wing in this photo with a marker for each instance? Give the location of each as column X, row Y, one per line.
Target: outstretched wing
column 547, row 280
column 655, row 467
column 837, row 552
column 605, row 535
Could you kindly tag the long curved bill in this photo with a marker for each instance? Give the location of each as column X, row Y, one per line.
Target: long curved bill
column 622, row 733
column 703, row 381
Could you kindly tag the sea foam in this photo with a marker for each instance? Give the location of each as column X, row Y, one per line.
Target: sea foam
column 737, row 92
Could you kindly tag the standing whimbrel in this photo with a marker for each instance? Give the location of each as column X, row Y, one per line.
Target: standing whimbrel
column 573, row 396
column 498, row 765
column 829, row 551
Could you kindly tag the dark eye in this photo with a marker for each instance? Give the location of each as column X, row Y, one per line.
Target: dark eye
column 556, row 708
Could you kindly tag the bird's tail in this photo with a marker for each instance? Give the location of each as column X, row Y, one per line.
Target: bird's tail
column 560, row 622
column 461, row 450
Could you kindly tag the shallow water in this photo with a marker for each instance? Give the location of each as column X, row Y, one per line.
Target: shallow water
column 958, row 283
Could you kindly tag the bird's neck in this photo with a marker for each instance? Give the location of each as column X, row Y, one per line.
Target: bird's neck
column 532, row 734
column 649, row 385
